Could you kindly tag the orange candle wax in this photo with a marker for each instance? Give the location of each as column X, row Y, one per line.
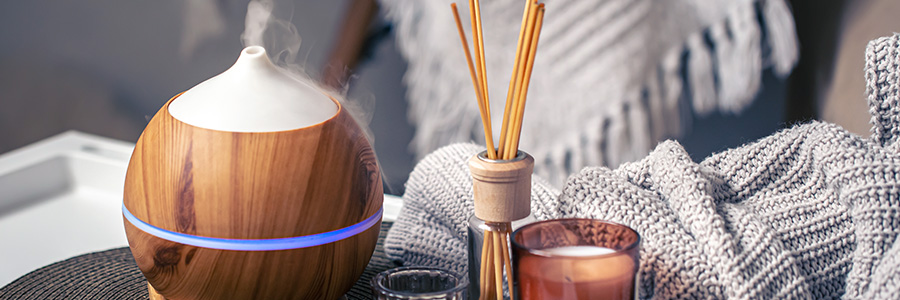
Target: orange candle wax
column 577, row 272
column 566, row 259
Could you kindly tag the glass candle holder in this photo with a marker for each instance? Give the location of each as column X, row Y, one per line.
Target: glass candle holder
column 418, row 283
column 575, row 259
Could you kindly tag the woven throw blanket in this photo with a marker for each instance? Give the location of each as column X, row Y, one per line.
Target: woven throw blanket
column 810, row 212
column 627, row 72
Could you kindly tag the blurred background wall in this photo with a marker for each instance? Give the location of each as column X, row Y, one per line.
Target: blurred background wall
column 105, row 67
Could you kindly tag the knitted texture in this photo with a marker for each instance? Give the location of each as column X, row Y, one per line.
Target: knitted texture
column 882, row 83
column 629, row 72
column 810, row 212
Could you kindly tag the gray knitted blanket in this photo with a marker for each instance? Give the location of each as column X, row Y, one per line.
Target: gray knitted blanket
column 811, row 212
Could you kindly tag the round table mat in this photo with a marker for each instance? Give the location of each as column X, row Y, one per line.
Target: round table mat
column 113, row 274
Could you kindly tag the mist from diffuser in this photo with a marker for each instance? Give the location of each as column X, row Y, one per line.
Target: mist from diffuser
column 268, row 24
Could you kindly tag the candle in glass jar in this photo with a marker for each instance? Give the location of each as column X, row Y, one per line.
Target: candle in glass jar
column 575, row 259
column 577, row 272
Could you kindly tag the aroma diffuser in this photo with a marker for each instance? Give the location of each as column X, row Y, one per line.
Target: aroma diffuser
column 252, row 185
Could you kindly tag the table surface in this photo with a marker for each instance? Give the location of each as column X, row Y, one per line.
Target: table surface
column 113, row 274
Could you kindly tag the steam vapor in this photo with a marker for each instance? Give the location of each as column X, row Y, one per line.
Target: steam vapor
column 268, row 24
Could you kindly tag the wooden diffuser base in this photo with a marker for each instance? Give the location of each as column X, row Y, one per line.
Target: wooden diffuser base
column 187, row 272
column 153, row 294
column 214, row 184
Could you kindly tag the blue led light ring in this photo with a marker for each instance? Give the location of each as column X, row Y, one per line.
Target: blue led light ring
column 255, row 244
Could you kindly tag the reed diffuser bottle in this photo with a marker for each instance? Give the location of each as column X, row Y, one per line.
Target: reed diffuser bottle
column 501, row 177
column 502, row 204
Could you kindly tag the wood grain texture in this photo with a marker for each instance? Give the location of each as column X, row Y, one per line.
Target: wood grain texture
column 502, row 188
column 153, row 294
column 180, row 271
column 204, row 182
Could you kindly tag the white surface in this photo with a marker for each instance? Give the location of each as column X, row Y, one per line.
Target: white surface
column 253, row 96
column 392, row 205
column 59, row 198
column 62, row 197
column 579, row 251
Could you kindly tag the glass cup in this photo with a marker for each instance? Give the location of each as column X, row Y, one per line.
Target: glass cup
column 419, row 283
column 575, row 259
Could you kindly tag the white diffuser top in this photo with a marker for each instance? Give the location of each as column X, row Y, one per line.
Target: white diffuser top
column 253, row 96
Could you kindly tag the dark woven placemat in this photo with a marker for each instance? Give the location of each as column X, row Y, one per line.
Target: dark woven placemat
column 112, row 274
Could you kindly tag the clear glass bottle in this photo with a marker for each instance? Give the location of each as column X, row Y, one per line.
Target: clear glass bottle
column 502, row 190
column 475, row 247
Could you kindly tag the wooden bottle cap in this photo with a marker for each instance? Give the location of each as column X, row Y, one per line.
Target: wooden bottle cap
column 502, row 187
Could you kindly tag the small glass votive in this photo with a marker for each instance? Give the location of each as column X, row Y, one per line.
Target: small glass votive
column 575, row 259
column 419, row 283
